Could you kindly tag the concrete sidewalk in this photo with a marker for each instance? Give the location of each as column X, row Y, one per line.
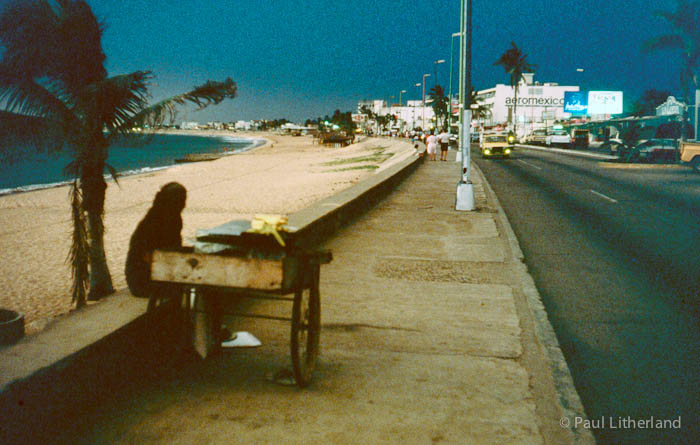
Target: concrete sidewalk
column 432, row 332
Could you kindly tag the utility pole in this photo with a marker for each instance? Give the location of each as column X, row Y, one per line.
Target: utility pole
column 423, row 124
column 449, row 115
column 465, row 188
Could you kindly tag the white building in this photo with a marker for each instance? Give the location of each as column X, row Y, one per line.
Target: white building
column 671, row 107
column 243, row 125
column 408, row 117
column 539, row 104
column 189, row 125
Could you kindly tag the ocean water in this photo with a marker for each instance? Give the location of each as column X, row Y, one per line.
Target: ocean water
column 35, row 170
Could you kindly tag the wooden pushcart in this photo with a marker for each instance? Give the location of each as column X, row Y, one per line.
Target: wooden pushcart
column 252, row 266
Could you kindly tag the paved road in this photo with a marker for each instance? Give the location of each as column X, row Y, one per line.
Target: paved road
column 615, row 254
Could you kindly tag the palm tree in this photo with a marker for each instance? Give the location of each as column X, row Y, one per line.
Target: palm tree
column 686, row 37
column 515, row 63
column 439, row 104
column 479, row 111
column 55, row 95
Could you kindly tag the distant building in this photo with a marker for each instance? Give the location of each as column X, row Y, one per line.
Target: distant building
column 408, row 117
column 539, row 104
column 670, row 107
column 243, row 125
column 189, row 126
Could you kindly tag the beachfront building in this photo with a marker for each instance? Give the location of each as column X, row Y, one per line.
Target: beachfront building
column 406, row 117
column 244, row 125
column 539, row 104
column 189, row 126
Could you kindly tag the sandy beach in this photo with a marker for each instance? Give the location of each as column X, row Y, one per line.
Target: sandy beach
column 282, row 176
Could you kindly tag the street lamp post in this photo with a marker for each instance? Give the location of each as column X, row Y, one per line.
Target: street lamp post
column 449, row 114
column 436, row 63
column 414, row 110
column 400, row 93
column 423, row 110
column 465, row 188
column 400, row 109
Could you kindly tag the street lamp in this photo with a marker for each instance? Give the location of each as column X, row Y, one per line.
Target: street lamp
column 423, row 125
column 449, row 114
column 437, row 62
column 465, row 188
column 400, row 93
column 413, row 123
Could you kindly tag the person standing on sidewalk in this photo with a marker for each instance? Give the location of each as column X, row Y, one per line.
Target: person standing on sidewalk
column 431, row 144
column 444, row 139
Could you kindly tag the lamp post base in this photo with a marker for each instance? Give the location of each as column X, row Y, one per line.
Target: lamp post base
column 465, row 196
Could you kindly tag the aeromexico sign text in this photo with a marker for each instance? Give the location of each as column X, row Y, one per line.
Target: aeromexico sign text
column 536, row 101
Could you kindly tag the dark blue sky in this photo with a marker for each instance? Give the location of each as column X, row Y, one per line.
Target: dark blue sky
column 302, row 59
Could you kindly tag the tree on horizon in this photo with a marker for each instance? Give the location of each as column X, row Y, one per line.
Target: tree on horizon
column 686, row 38
column 56, row 96
column 515, row 63
column 439, row 104
column 650, row 99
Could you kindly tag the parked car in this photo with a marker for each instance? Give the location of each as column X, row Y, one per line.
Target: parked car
column 496, row 144
column 537, row 137
column 454, row 141
column 654, row 150
column 581, row 139
column 559, row 137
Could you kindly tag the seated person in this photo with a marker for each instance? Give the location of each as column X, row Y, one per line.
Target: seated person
column 159, row 229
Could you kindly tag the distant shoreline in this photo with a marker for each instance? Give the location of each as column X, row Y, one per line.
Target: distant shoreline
column 255, row 142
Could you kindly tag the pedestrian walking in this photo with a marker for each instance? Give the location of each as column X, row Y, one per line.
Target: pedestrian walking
column 444, row 139
column 431, row 142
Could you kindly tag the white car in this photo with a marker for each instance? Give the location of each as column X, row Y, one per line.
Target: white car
column 558, row 137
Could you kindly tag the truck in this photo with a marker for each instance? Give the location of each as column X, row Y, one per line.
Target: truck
column 690, row 153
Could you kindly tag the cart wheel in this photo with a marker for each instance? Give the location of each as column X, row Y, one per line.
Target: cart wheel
column 306, row 327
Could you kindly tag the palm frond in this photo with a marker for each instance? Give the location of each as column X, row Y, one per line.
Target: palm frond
column 113, row 173
column 23, row 95
column 115, row 100
column 667, row 41
column 684, row 17
column 27, row 131
column 79, row 252
column 210, row 93
column 55, row 39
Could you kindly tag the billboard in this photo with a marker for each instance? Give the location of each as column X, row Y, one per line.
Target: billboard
column 604, row 102
column 580, row 103
column 576, row 102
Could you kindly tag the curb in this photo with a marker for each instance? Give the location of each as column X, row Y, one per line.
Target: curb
column 626, row 166
column 569, row 399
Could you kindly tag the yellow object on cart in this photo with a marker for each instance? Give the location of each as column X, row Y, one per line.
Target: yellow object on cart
column 269, row 225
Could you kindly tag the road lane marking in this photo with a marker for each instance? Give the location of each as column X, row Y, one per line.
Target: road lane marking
column 531, row 165
column 569, row 152
column 603, row 196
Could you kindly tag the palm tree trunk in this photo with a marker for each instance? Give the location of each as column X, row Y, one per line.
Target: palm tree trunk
column 93, row 188
column 515, row 108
